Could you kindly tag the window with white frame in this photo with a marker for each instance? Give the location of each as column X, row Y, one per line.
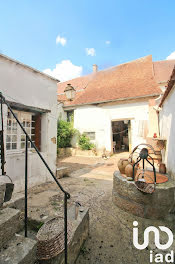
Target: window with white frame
column 90, row 135
column 15, row 139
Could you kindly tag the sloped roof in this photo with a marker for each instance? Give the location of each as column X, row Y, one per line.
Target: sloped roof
column 163, row 70
column 129, row 80
column 170, row 86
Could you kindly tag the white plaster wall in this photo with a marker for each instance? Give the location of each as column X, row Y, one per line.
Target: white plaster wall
column 98, row 119
column 62, row 115
column 27, row 87
column 167, row 131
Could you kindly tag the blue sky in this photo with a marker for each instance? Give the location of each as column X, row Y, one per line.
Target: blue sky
column 133, row 29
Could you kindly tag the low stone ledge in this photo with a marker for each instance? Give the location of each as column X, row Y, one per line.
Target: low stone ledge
column 67, row 152
column 80, row 231
column 157, row 205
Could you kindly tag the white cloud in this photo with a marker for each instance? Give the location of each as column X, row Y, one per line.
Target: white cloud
column 61, row 40
column 65, row 71
column 108, row 42
column 90, row 52
column 171, row 56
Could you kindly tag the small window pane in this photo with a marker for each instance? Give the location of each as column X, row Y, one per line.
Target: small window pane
column 14, row 130
column 8, row 138
column 14, row 138
column 8, row 146
column 22, row 145
column 28, row 130
column 14, row 145
column 9, row 115
column 27, row 124
column 8, row 130
column 14, row 124
column 9, row 122
column 23, row 138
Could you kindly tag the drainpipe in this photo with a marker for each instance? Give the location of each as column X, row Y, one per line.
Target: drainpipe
column 157, row 109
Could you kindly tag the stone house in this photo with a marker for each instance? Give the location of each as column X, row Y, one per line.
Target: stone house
column 167, row 125
column 116, row 107
column 32, row 96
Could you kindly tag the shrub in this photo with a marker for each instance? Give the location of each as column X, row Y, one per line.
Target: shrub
column 65, row 133
column 84, row 143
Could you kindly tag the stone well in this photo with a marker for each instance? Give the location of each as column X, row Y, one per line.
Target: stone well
column 158, row 205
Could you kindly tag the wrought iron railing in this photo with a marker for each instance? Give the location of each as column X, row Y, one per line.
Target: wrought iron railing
column 28, row 139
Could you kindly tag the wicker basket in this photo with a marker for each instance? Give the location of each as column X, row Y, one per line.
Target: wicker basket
column 51, row 238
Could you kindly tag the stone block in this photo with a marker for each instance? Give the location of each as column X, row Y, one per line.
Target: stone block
column 10, row 223
column 62, row 172
column 2, row 193
column 19, row 250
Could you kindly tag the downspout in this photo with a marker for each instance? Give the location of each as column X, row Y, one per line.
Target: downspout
column 157, row 109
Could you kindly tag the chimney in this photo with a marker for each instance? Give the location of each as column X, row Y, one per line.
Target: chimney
column 95, row 68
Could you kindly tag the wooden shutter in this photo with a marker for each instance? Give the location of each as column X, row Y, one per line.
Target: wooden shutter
column 37, row 119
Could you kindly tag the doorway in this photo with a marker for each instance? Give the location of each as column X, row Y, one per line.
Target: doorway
column 121, row 135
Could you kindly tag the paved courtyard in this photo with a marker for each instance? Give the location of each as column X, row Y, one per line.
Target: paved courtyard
column 90, row 183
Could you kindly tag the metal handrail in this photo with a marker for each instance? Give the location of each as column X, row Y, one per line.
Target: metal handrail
column 66, row 194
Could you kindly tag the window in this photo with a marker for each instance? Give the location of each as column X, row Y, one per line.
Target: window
column 11, row 139
column 15, row 139
column 28, row 124
column 70, row 116
column 90, row 135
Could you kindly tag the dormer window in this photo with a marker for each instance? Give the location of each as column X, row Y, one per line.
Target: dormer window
column 70, row 92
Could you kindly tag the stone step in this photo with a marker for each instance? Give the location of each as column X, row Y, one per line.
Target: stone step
column 2, row 193
column 19, row 250
column 62, row 172
column 10, row 223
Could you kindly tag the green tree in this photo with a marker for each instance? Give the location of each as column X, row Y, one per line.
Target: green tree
column 65, row 133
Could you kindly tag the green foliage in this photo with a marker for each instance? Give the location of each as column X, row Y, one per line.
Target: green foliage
column 84, row 143
column 65, row 133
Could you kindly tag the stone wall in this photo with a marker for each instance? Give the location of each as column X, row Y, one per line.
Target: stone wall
column 67, row 152
column 158, row 205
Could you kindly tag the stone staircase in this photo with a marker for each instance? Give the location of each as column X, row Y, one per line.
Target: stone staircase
column 14, row 248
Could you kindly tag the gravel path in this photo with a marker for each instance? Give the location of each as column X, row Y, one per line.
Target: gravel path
column 90, row 183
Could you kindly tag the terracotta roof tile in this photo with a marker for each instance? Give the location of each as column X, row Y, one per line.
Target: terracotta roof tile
column 129, row 80
column 163, row 70
column 170, row 86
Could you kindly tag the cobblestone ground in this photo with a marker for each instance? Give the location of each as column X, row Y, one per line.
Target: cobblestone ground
column 90, row 183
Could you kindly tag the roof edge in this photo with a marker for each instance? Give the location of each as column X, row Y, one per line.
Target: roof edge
column 113, row 100
column 169, row 87
column 28, row 67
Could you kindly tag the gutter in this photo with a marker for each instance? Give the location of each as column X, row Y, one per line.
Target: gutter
column 114, row 100
column 19, row 106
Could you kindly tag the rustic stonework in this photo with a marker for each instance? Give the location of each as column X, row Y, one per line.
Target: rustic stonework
column 2, row 193
column 158, row 205
column 10, row 223
column 80, row 232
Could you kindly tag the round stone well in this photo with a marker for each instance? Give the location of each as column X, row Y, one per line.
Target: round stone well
column 158, row 205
